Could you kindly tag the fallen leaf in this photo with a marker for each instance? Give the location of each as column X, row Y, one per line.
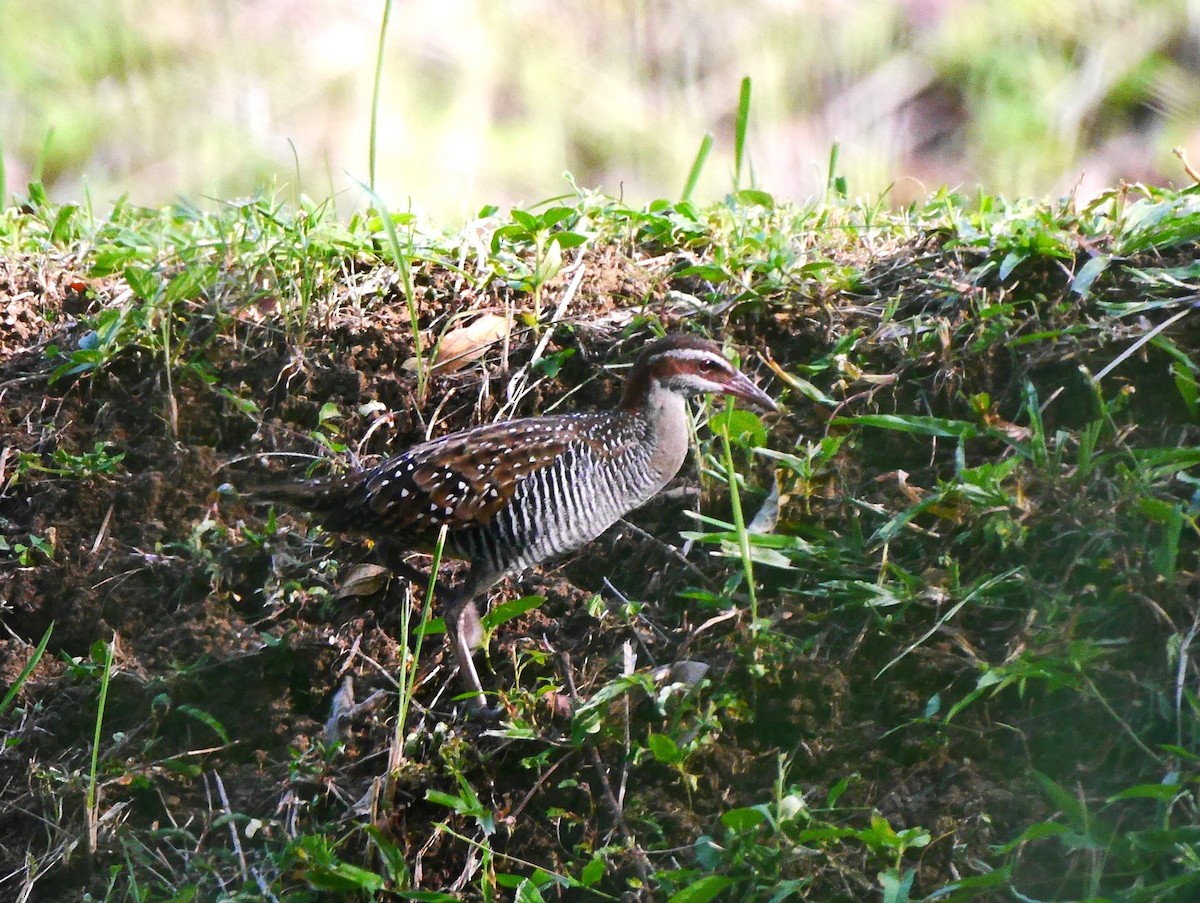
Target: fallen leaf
column 465, row 344
column 363, row 580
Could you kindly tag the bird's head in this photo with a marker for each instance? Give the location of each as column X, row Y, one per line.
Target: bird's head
column 687, row 366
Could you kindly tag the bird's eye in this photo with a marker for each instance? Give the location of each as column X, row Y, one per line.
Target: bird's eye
column 708, row 366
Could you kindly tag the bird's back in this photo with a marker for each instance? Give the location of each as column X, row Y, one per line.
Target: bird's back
column 511, row 494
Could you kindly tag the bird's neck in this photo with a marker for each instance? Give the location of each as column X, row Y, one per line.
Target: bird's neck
column 666, row 417
column 637, row 388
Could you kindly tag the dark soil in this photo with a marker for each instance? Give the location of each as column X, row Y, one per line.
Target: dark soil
column 232, row 636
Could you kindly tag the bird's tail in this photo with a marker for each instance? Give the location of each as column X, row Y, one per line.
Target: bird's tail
column 320, row 497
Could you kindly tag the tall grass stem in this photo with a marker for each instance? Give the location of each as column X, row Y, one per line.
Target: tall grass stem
column 375, row 89
column 739, row 521
column 408, row 674
column 697, row 167
column 402, row 259
column 26, row 671
column 92, row 802
column 739, row 132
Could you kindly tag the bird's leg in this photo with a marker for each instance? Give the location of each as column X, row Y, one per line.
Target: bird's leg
column 463, row 625
column 470, row 625
column 466, row 634
column 393, row 559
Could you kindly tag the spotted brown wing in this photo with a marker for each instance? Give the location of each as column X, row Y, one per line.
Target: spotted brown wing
column 468, row 477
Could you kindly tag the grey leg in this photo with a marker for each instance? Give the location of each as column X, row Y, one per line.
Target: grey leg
column 462, row 625
column 466, row 634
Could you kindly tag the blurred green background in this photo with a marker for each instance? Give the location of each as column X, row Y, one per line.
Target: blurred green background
column 491, row 102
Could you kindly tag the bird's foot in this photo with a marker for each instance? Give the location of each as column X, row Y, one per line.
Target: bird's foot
column 486, row 715
column 475, row 710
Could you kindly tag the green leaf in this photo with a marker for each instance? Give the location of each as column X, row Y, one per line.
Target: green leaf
column 568, row 239
column 593, row 871
column 436, row 626
column 664, row 748
column 744, row 426
column 913, row 423
column 1082, row 283
column 706, row 144
column 526, row 220
column 507, row 611
column 1162, row 792
column 550, row 264
column 527, row 892
column 836, row 791
column 60, row 232
column 1040, row 831
column 740, row 125
column 743, row 819
column 703, row 890
column 895, row 886
column 997, row 878
column 588, row 716
column 458, row 804
column 144, row 282
column 708, row 271
column 551, row 364
column 42, row 544
column 555, row 215
column 342, row 876
column 98, row 652
column 206, row 719
column 750, row 196
column 518, row 233
column 391, row 854
column 1185, row 382
column 1011, row 261
column 1072, row 808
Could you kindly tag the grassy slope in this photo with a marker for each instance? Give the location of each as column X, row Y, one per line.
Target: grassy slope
column 971, row 665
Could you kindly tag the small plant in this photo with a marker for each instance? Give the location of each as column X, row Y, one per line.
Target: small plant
column 26, row 553
column 761, row 850
column 100, row 460
column 548, row 242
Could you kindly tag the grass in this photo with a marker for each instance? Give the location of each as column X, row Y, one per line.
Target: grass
column 957, row 665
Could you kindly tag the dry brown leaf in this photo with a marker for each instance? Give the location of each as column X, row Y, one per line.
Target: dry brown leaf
column 461, row 346
column 363, row 580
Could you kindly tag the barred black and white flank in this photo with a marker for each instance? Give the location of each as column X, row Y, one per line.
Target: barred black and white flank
column 516, row 494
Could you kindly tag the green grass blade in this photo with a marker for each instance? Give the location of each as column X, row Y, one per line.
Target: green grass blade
column 401, row 260
column 408, row 674
column 93, row 801
column 40, row 163
column 739, row 522
column 375, row 88
column 697, row 166
column 26, row 671
column 739, row 132
column 835, row 185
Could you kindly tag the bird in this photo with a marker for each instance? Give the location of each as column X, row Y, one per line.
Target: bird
column 517, row 493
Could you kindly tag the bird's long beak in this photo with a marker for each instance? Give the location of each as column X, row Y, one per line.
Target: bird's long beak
column 741, row 387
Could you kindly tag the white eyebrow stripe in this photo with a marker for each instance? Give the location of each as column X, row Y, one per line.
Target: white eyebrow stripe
column 690, row 354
